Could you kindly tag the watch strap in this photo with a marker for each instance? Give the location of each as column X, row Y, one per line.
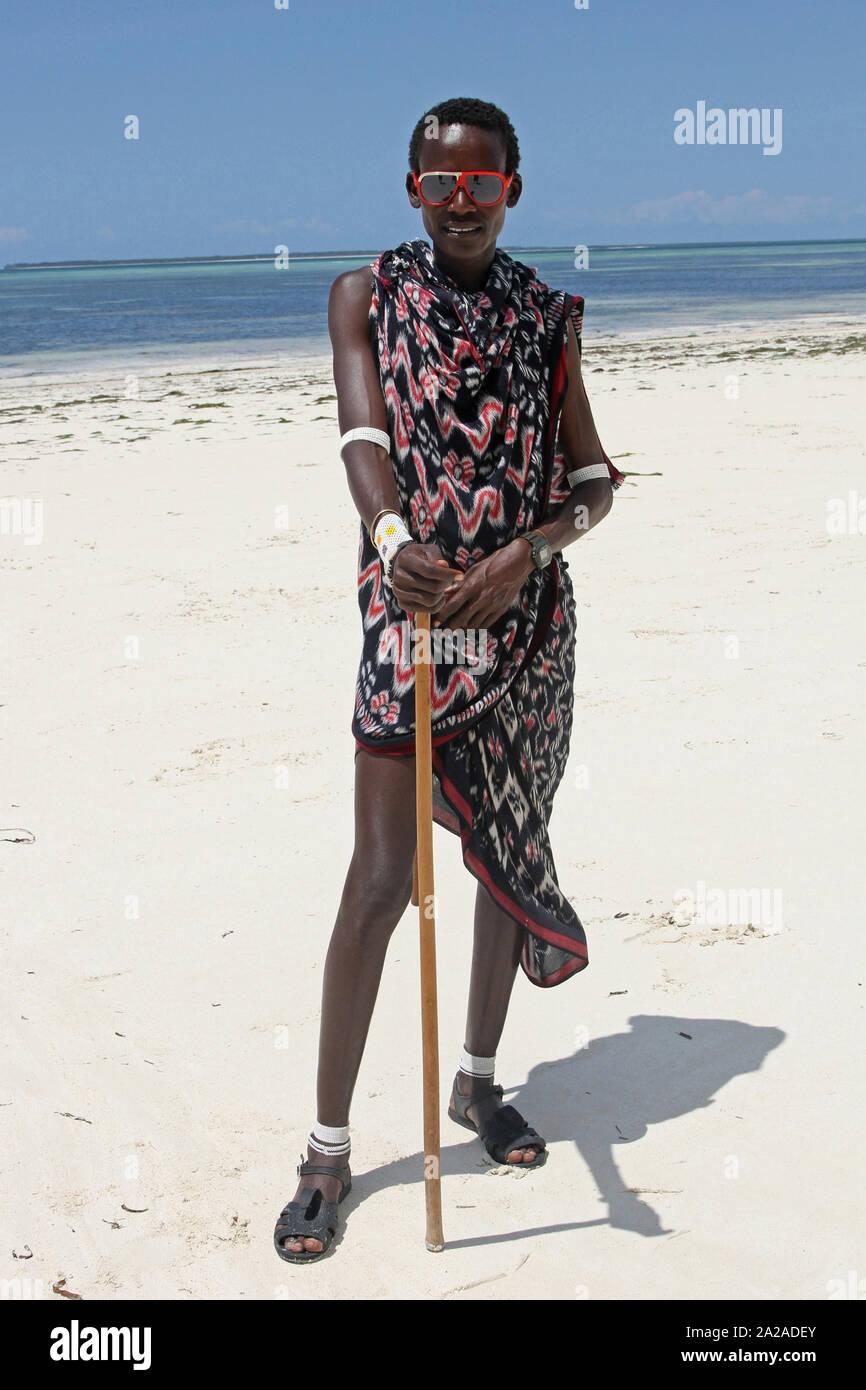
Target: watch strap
column 537, row 538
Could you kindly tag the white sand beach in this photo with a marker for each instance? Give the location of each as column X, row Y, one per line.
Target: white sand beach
column 180, row 650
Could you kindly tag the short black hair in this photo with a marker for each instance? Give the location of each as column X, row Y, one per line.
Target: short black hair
column 467, row 111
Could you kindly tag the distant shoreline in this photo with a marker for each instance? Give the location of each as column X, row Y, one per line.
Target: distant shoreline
column 185, row 260
column 258, row 257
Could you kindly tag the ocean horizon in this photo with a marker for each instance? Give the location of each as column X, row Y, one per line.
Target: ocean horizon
column 70, row 318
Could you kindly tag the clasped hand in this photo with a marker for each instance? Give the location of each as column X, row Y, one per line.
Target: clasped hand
column 423, row 581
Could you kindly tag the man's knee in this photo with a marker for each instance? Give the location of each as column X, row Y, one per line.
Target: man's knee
column 376, row 896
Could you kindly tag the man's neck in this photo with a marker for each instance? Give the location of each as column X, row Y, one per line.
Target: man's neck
column 470, row 278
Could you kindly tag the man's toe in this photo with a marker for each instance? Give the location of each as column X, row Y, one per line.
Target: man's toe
column 298, row 1245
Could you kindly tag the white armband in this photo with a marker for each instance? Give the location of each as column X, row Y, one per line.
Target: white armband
column 583, row 475
column 366, row 432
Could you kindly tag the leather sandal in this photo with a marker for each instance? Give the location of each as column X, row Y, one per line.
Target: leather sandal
column 503, row 1131
column 313, row 1215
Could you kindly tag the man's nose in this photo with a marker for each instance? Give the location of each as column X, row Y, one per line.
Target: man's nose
column 461, row 202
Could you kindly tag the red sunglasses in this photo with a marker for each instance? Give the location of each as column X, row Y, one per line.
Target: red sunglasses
column 485, row 187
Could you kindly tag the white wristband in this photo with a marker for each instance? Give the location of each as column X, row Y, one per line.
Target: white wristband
column 389, row 533
column 583, row 475
column 366, row 432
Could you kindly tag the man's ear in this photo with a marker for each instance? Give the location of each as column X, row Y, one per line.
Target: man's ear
column 514, row 191
column 412, row 191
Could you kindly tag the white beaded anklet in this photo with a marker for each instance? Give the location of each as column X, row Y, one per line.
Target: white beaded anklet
column 477, row 1066
column 330, row 1140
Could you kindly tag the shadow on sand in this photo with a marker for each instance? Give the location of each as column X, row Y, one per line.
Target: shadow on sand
column 602, row 1096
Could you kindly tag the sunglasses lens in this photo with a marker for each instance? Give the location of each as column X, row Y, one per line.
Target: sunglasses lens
column 484, row 189
column 437, row 188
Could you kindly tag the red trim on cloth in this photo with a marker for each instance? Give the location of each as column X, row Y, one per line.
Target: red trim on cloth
column 458, row 820
column 508, row 904
column 500, row 849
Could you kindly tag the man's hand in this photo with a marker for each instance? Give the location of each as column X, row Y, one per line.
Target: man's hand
column 489, row 588
column 420, row 577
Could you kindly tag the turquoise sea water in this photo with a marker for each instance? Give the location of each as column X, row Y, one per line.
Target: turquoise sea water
column 58, row 321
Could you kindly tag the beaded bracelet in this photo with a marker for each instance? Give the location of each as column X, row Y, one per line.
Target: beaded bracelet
column 367, row 432
column 583, row 475
column 389, row 534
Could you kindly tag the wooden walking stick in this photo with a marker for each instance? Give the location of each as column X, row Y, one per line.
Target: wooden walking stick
column 422, row 896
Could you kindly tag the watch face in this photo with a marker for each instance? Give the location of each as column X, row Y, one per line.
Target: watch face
column 545, row 553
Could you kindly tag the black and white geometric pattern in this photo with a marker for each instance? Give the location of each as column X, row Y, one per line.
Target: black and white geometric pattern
column 474, row 384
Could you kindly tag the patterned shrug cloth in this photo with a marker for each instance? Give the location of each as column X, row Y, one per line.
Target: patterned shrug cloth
column 474, row 384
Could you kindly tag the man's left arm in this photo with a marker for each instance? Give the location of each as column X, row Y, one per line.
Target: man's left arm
column 589, row 502
column 494, row 583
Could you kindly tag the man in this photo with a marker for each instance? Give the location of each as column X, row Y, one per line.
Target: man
column 463, row 372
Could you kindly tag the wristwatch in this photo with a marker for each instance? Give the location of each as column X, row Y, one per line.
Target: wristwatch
column 542, row 553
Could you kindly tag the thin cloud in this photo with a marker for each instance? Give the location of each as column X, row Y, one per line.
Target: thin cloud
column 13, row 234
column 696, row 205
column 317, row 224
column 243, row 226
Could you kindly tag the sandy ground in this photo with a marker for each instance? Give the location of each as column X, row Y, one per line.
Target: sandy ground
column 178, row 679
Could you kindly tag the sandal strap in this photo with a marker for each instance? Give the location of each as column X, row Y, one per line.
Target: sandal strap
column 341, row 1173
column 462, row 1103
column 305, row 1168
column 506, row 1129
column 482, row 1095
column 294, row 1221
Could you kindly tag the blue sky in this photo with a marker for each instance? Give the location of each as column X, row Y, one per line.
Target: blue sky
column 261, row 126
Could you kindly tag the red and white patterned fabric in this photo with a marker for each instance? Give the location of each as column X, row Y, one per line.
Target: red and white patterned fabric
column 474, row 384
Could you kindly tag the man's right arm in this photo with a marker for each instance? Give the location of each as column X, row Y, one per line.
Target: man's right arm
column 369, row 470
column 422, row 576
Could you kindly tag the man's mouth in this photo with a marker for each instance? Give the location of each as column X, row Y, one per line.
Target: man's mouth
column 456, row 229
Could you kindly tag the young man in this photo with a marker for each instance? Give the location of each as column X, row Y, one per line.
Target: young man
column 480, row 464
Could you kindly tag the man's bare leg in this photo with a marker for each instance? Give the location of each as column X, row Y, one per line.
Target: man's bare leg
column 375, row 895
column 495, row 957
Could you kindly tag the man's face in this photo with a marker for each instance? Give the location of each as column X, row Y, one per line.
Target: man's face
column 463, row 234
